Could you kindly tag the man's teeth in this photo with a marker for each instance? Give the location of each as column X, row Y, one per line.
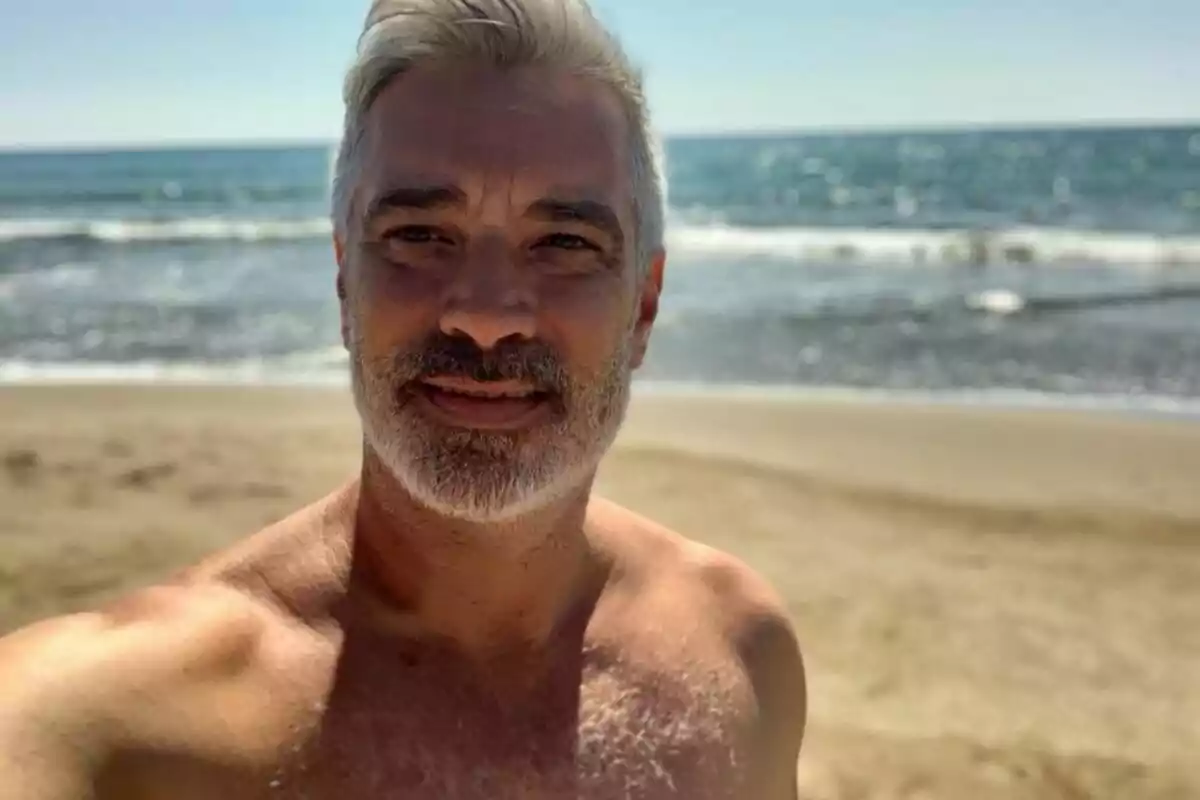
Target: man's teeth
column 513, row 394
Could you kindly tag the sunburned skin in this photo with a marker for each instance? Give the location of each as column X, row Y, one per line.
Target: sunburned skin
column 291, row 686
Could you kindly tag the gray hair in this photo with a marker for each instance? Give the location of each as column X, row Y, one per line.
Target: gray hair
column 399, row 34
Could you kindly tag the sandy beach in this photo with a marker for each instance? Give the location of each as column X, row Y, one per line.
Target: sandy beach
column 993, row 604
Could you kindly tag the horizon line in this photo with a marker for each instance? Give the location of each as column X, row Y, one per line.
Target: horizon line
column 764, row 132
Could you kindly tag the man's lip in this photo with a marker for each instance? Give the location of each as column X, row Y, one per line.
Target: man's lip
column 467, row 406
column 482, row 389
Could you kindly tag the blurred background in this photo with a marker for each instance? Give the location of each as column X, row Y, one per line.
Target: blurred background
column 934, row 272
column 989, row 202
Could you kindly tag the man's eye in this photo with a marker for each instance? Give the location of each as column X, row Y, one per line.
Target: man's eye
column 566, row 241
column 415, row 234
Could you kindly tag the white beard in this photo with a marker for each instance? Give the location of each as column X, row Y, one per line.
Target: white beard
column 487, row 477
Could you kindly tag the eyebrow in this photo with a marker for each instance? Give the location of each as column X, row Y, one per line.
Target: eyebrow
column 414, row 198
column 594, row 213
column 587, row 212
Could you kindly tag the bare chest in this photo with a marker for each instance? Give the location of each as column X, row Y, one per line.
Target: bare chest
column 612, row 732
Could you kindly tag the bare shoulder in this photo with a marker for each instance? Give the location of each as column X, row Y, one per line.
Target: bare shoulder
column 78, row 662
column 754, row 622
column 752, row 618
column 731, row 595
column 739, row 611
column 220, row 665
column 215, row 625
column 79, row 689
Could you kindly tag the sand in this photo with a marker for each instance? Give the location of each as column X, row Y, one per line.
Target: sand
column 992, row 604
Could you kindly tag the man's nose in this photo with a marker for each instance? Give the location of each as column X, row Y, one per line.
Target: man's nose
column 490, row 300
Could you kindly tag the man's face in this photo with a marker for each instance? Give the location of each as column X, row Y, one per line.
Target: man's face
column 491, row 303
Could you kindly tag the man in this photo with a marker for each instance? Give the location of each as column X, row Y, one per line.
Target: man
column 464, row 620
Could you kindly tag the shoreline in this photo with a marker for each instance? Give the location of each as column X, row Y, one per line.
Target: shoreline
column 1172, row 407
column 1088, row 461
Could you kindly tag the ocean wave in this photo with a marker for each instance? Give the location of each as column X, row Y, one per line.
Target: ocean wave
column 167, row 192
column 859, row 245
column 949, row 308
column 948, row 247
column 168, row 231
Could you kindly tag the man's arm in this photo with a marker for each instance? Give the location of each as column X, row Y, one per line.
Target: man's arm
column 41, row 773
column 48, row 747
column 75, row 692
column 772, row 657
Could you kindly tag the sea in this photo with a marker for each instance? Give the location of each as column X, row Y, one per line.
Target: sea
column 1047, row 266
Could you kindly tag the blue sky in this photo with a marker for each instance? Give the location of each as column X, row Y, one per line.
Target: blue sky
column 97, row 72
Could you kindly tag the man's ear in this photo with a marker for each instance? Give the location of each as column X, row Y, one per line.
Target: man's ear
column 647, row 309
column 339, row 250
column 339, row 254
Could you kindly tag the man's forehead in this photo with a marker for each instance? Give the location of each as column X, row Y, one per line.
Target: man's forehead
column 529, row 93
column 549, row 133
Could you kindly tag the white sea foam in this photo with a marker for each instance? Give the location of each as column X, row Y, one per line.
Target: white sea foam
column 861, row 245
column 178, row 230
column 909, row 246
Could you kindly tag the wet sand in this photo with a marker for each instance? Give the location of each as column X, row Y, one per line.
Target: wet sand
column 992, row 604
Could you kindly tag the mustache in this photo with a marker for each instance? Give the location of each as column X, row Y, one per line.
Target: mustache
column 525, row 360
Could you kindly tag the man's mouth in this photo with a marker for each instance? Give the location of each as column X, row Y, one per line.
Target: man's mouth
column 483, row 405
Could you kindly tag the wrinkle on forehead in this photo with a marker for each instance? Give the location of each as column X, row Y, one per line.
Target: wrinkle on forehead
column 518, row 134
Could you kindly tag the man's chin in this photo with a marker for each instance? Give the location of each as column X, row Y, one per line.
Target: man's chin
column 481, row 499
column 479, row 476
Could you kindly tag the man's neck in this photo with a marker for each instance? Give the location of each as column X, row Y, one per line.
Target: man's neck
column 484, row 588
